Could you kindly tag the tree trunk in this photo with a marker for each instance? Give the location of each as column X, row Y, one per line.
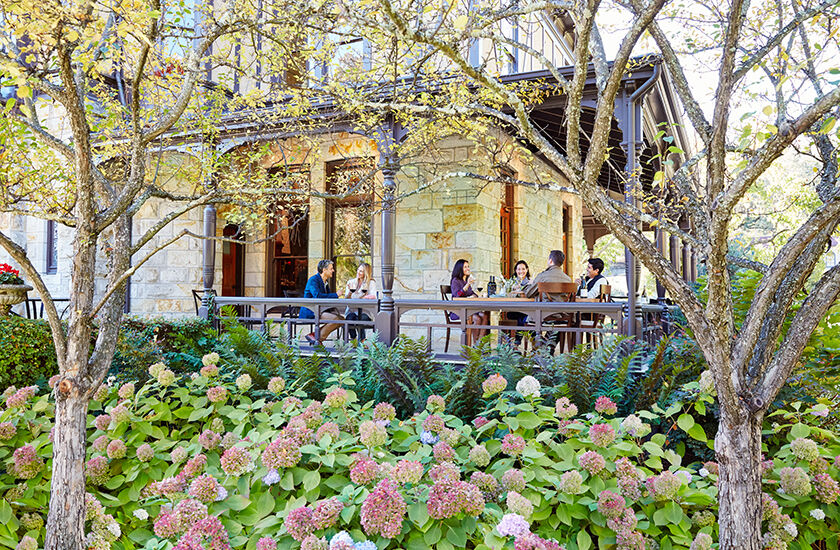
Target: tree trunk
column 738, row 449
column 66, row 519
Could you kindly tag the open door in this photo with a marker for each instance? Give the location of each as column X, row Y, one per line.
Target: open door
column 233, row 262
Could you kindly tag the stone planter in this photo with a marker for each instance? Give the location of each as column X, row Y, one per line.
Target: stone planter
column 11, row 295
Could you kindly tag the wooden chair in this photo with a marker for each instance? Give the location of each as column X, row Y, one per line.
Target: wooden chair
column 597, row 320
column 559, row 292
column 445, row 294
column 289, row 315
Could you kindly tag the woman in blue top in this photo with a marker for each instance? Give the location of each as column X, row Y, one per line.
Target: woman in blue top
column 461, row 286
column 316, row 287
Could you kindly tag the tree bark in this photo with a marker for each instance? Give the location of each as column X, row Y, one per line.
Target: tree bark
column 66, row 520
column 738, row 450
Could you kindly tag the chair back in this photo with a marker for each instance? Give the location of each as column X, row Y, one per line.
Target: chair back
column 606, row 293
column 198, row 295
column 446, row 296
column 556, row 292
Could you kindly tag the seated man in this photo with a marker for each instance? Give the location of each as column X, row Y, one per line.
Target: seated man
column 590, row 287
column 553, row 274
column 317, row 287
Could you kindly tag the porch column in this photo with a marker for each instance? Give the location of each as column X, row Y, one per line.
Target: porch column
column 630, row 121
column 674, row 250
column 686, row 262
column 386, row 321
column 208, row 260
column 693, row 265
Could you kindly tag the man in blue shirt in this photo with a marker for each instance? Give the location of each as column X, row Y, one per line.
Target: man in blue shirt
column 317, row 287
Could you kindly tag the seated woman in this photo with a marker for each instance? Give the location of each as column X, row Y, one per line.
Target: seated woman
column 362, row 287
column 523, row 279
column 461, row 285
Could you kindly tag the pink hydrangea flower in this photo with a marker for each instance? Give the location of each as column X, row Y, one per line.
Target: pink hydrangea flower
column 364, row 470
column 592, row 462
column 236, row 461
column 190, row 511
column 445, row 471
column 530, row 541
column 827, row 488
column 100, row 444
column 518, row 504
column 433, row 423
column 27, row 463
column 299, row 523
column 570, row 482
column 602, row 435
column 209, row 371
column 372, row 434
column 207, row 534
column 336, row 399
column 205, row 488
column 513, row 444
column 281, row 453
column 610, row 504
column 116, row 449
column 328, row 428
column 565, row 409
column 167, row 524
column 383, row 510
column 513, row 480
column 435, row 404
column 485, row 482
column 194, row 466
column 325, row 514
column 479, row 421
column 384, row 411
column 495, row 383
column 209, row 439
column 313, row 415
column 407, row 471
column 266, row 543
column 605, row 405
column 120, row 414
column 102, row 422
column 628, row 479
column 27, row 543
column 666, row 485
column 443, row 452
column 314, row 543
column 217, row 394
column 794, row 481
column 7, row 431
column 126, row 391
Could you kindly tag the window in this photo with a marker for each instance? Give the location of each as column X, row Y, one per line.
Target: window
column 52, row 248
column 287, row 248
column 350, row 219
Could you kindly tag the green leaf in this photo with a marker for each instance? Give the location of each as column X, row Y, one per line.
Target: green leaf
column 528, row 420
column 265, row 505
column 237, row 502
column 5, row 512
column 685, row 422
column 418, row 514
column 311, row 480
column 432, row 535
column 584, row 541
column 800, row 430
column 457, row 537
column 697, row 432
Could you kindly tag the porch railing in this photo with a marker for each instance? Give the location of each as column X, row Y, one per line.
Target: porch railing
column 258, row 312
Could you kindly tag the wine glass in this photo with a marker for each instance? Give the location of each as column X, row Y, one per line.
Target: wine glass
column 479, row 289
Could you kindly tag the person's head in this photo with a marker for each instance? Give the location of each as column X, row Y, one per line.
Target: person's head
column 556, row 257
column 461, row 270
column 326, row 268
column 521, row 270
column 594, row 267
column 363, row 273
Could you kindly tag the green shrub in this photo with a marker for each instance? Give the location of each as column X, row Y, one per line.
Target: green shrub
column 27, row 353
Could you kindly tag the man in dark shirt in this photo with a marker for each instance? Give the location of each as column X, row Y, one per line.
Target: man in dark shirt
column 317, row 287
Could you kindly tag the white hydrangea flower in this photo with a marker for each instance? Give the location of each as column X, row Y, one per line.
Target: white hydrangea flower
column 704, row 472
column 791, row 529
column 818, row 514
column 707, row 382
column 341, row 536
column 528, row 386
column 141, row 514
column 114, row 529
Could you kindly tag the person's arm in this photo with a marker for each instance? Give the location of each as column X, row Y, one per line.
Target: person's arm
column 371, row 293
column 322, row 291
column 531, row 290
column 458, row 288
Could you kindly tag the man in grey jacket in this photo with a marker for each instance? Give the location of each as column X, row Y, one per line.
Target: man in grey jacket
column 553, row 274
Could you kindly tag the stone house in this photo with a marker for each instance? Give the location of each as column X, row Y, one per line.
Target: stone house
column 492, row 222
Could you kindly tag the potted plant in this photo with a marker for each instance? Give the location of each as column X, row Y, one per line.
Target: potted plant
column 12, row 289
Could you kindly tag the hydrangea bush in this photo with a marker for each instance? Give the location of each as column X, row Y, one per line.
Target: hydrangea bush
column 195, row 463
